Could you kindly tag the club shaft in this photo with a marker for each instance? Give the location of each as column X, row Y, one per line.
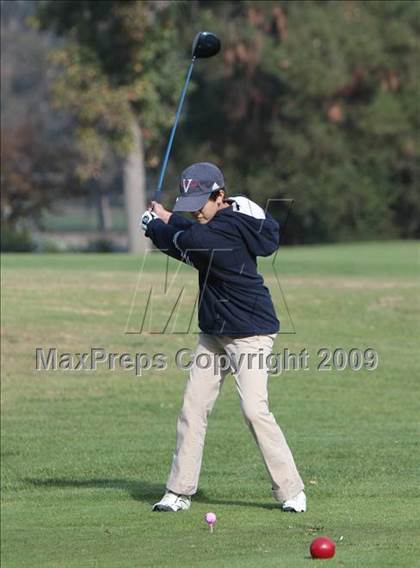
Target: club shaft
column 172, row 135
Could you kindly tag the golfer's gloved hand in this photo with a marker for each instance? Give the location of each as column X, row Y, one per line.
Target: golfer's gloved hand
column 146, row 218
column 160, row 211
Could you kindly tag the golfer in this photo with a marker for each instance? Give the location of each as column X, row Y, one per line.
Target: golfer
column 237, row 321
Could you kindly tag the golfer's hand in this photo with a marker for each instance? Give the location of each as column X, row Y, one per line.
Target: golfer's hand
column 146, row 218
column 160, row 211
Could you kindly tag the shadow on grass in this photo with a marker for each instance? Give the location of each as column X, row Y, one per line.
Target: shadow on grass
column 143, row 491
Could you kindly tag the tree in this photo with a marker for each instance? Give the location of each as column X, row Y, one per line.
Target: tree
column 35, row 173
column 316, row 101
column 310, row 100
column 37, row 156
column 120, row 79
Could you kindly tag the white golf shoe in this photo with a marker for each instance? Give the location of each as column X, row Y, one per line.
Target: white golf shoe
column 173, row 502
column 295, row 505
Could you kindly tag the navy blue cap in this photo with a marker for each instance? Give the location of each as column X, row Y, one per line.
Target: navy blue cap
column 197, row 183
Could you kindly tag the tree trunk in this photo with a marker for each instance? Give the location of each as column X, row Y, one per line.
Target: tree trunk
column 106, row 211
column 103, row 210
column 135, row 190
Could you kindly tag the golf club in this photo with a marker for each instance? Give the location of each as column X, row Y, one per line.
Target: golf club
column 205, row 45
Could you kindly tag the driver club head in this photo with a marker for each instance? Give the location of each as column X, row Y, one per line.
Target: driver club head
column 205, row 44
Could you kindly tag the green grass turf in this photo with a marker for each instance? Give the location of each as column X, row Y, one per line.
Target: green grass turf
column 85, row 454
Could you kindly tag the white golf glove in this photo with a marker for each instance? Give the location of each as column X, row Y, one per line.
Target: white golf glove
column 146, row 218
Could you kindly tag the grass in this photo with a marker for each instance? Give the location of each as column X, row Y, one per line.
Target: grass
column 85, row 454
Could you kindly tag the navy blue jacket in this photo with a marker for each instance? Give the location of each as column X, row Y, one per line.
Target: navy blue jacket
column 233, row 298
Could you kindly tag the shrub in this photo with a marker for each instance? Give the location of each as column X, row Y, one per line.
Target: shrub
column 16, row 239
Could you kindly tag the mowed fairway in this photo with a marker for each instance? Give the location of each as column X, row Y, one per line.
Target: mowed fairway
column 85, row 454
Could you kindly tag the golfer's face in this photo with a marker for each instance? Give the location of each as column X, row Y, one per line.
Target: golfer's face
column 207, row 212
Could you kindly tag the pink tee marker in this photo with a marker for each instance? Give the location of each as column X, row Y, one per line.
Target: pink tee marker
column 210, row 519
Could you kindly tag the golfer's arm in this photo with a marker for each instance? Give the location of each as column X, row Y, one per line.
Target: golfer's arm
column 162, row 236
column 194, row 246
column 180, row 222
column 272, row 229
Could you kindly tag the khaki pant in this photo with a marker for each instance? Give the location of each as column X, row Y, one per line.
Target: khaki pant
column 202, row 390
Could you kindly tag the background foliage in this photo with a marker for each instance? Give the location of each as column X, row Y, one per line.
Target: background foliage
column 312, row 101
